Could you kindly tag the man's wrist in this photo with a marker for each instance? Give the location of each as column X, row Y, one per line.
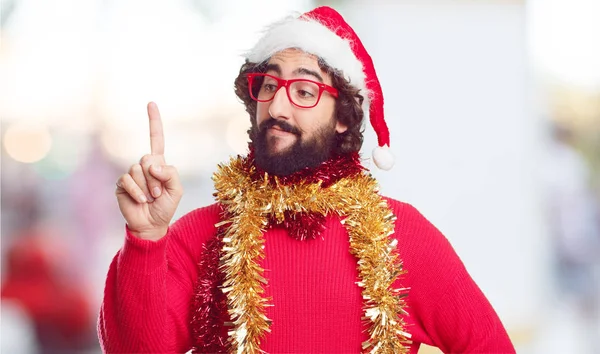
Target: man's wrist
column 151, row 235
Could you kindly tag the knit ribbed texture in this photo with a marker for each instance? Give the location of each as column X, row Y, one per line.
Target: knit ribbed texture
column 317, row 304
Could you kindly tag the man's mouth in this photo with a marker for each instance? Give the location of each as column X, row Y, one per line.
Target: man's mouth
column 279, row 131
column 282, row 127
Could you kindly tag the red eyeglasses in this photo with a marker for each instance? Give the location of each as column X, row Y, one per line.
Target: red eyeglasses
column 301, row 92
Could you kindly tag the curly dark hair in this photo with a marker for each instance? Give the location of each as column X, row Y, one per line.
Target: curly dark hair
column 348, row 106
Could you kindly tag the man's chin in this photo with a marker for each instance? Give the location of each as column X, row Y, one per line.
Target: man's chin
column 279, row 148
column 282, row 156
column 279, row 160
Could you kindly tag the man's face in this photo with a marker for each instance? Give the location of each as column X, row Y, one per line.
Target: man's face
column 288, row 137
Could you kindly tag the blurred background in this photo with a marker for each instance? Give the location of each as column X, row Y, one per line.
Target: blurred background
column 493, row 107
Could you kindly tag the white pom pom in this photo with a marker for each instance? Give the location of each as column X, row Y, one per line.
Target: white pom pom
column 383, row 158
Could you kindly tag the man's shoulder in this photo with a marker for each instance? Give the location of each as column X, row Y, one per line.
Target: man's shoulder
column 421, row 244
column 400, row 208
column 409, row 219
column 211, row 209
column 206, row 216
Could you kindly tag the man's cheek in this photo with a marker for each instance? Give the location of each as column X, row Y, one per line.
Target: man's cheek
column 262, row 112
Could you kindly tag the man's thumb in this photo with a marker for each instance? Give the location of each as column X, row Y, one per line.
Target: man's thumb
column 167, row 175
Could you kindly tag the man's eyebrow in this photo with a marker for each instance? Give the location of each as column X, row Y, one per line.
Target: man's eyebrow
column 309, row 72
column 273, row 67
column 276, row 68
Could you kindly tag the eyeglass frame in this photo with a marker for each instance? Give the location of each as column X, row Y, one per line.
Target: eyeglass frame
column 286, row 83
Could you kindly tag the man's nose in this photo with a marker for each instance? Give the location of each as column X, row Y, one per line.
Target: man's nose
column 280, row 105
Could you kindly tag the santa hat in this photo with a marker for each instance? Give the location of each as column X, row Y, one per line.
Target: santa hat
column 324, row 33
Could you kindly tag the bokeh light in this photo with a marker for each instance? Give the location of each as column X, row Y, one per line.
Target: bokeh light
column 27, row 143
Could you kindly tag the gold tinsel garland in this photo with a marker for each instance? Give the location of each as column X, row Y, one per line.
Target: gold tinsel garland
column 250, row 202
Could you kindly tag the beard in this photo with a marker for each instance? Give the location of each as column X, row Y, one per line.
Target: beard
column 303, row 153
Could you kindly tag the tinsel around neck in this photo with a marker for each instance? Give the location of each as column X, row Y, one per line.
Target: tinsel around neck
column 251, row 198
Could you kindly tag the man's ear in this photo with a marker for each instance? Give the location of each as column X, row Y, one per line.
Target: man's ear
column 340, row 127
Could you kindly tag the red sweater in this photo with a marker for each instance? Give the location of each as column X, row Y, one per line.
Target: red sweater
column 317, row 305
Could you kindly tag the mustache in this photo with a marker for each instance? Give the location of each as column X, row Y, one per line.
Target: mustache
column 283, row 125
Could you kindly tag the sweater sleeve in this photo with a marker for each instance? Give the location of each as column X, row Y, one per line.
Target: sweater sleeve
column 149, row 288
column 447, row 307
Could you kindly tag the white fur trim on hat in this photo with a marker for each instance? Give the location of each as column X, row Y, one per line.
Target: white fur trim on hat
column 312, row 37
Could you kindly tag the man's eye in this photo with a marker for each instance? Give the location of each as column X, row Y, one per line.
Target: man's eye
column 305, row 94
column 269, row 87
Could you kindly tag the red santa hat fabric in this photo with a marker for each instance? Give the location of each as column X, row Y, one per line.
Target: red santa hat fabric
column 324, row 32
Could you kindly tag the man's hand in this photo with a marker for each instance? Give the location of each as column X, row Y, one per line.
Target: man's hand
column 149, row 193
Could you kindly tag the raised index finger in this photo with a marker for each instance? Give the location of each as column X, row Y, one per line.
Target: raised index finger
column 157, row 139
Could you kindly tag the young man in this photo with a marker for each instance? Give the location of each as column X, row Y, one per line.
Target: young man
column 300, row 253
